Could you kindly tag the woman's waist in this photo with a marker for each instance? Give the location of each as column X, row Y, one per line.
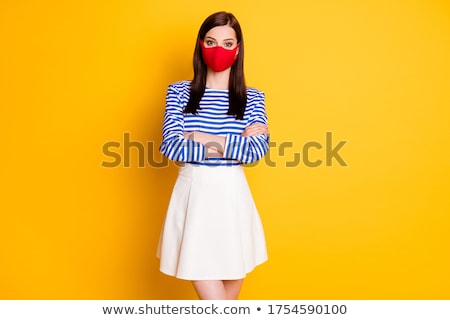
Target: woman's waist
column 216, row 162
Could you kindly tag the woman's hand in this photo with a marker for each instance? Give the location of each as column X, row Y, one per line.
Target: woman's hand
column 255, row 130
column 214, row 144
column 189, row 135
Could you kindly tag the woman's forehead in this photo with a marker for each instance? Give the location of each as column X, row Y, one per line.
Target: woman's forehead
column 221, row 32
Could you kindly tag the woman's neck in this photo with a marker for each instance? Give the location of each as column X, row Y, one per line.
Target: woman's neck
column 218, row 80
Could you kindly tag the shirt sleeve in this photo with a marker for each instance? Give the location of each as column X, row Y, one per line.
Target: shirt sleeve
column 249, row 149
column 174, row 146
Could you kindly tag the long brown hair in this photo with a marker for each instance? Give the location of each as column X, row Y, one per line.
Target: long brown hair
column 237, row 89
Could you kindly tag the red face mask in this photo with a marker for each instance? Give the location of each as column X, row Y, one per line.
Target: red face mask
column 218, row 58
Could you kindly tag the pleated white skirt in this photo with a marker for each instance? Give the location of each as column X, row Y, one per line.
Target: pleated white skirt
column 212, row 229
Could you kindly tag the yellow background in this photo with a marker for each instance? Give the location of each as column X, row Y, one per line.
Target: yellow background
column 77, row 74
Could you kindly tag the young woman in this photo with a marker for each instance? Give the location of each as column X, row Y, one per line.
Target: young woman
column 212, row 234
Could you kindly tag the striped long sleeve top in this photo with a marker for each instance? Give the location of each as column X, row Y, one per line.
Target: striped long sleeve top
column 212, row 118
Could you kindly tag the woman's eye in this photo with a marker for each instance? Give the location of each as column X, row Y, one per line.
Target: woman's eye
column 209, row 42
column 228, row 44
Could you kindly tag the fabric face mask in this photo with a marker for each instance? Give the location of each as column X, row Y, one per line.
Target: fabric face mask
column 218, row 58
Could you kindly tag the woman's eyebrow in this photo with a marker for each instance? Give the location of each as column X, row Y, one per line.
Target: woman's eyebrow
column 209, row 37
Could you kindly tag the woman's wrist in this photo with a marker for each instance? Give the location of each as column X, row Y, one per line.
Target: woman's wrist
column 210, row 141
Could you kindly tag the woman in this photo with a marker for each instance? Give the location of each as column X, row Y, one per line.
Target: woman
column 212, row 234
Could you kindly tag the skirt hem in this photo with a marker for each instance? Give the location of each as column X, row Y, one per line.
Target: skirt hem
column 227, row 277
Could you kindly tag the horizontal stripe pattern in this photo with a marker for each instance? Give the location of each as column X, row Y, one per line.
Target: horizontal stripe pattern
column 212, row 119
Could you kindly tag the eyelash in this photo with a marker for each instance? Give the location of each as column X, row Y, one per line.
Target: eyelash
column 211, row 43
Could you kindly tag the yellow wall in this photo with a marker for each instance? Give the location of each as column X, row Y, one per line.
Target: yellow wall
column 78, row 74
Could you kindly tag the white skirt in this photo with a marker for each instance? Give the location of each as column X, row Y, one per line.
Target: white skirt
column 212, row 229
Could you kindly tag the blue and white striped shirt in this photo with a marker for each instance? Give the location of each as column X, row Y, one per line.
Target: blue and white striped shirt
column 212, row 118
